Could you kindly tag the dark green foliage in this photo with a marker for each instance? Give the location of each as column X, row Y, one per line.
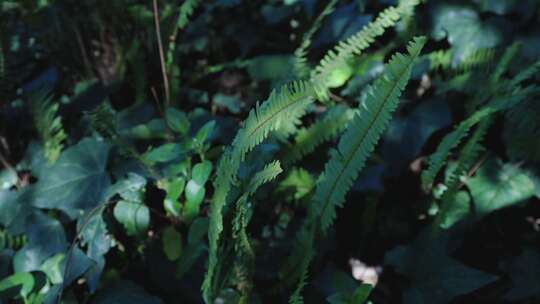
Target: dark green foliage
column 236, row 151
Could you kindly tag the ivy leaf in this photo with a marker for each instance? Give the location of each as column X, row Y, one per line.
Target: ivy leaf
column 94, row 236
column 39, row 248
column 464, row 30
column 77, row 181
column 524, row 271
column 458, row 210
column 52, row 268
column 434, row 276
column 134, row 216
column 172, row 243
column 497, row 185
column 130, row 188
column 177, row 120
column 163, row 153
column 9, row 207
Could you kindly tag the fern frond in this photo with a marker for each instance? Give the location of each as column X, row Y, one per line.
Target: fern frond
column 48, row 125
column 441, row 60
column 438, row 159
column 102, row 120
column 525, row 74
column 240, row 221
column 8, row 241
column 468, row 155
column 301, row 68
column 355, row 146
column 186, row 10
column 327, row 128
column 362, row 134
column 354, row 45
column 281, row 111
column 505, row 61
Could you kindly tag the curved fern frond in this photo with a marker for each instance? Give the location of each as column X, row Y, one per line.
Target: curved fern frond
column 362, row 134
column 48, row 125
column 281, row 111
column 8, row 241
column 468, row 155
column 354, row 45
column 186, row 10
column 325, row 129
column 301, row 68
column 438, row 159
column 354, row 147
column 505, row 61
column 240, row 221
column 525, row 74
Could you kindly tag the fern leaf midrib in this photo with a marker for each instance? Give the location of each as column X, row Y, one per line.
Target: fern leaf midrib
column 266, row 120
column 359, row 144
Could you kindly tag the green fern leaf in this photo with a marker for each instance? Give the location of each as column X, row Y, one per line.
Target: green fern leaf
column 357, row 143
column 240, row 221
column 438, row 159
column 301, row 68
column 325, row 129
column 48, row 124
column 281, row 111
column 354, row 45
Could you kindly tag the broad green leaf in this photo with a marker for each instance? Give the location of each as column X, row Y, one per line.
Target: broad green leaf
column 205, row 132
column 464, row 29
column 298, row 184
column 524, row 271
column 194, row 196
column 231, row 103
column 172, row 243
column 461, row 207
column 174, row 189
column 9, row 207
column 20, row 283
column 7, row 179
column 195, row 190
column 134, row 216
column 197, row 230
column 434, row 276
column 201, row 172
column 130, row 188
column 154, row 129
column 52, row 268
column 39, row 248
column 162, row 154
column 339, row 75
column 177, row 120
column 77, row 181
column 497, row 185
column 93, row 233
column 361, row 294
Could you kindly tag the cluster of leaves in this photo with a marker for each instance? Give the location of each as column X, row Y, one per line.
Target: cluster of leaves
column 147, row 172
